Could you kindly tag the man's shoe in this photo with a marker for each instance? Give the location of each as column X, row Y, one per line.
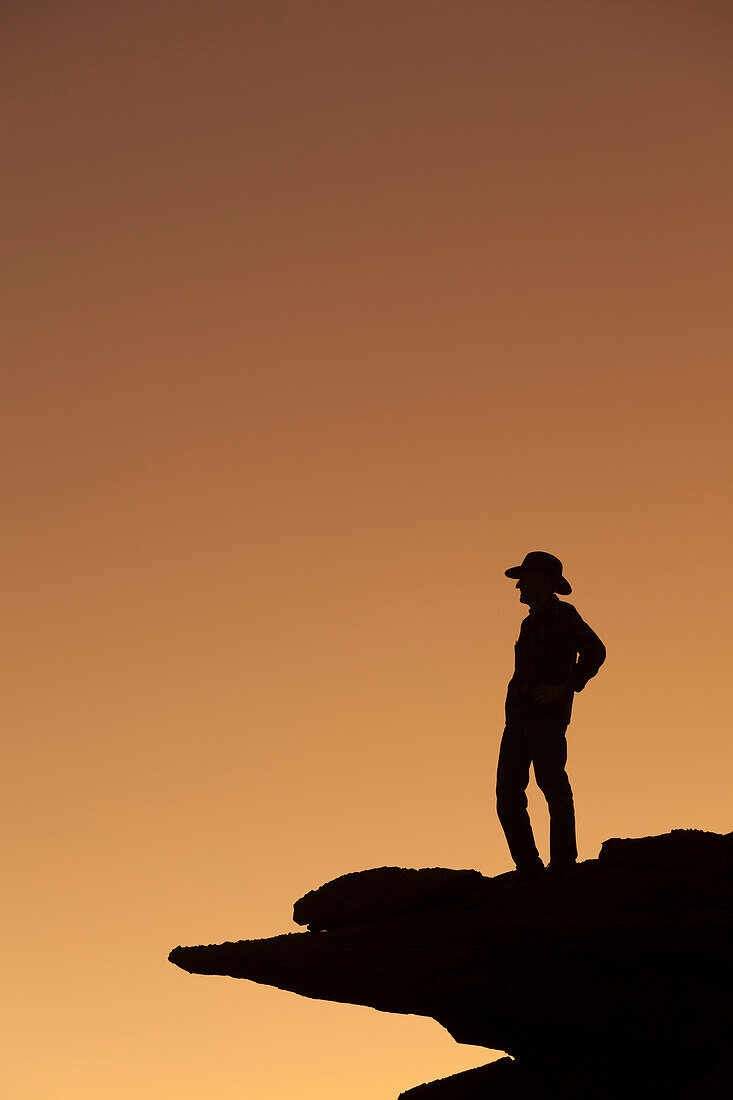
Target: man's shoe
column 561, row 866
column 527, row 874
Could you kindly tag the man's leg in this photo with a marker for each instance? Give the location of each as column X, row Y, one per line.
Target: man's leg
column 512, row 777
column 549, row 755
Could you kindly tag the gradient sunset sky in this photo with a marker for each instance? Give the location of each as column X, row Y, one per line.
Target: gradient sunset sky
column 319, row 316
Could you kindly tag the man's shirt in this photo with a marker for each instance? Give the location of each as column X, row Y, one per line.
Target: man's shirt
column 555, row 648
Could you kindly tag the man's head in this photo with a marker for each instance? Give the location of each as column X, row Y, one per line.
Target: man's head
column 539, row 575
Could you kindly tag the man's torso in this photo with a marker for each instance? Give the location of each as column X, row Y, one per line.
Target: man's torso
column 544, row 655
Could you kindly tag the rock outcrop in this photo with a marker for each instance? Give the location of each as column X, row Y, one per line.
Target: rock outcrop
column 613, row 980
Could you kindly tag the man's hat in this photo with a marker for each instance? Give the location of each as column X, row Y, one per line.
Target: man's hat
column 537, row 561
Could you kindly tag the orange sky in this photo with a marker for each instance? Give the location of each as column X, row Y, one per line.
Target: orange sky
column 320, row 315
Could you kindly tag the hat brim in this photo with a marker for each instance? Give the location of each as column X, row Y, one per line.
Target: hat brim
column 560, row 586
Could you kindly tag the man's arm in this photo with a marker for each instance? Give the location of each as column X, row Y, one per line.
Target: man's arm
column 591, row 654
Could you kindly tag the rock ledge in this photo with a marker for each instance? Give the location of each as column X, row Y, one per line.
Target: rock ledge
column 613, row 980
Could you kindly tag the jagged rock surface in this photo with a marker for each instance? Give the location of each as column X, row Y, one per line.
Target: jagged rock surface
column 613, row 980
column 364, row 896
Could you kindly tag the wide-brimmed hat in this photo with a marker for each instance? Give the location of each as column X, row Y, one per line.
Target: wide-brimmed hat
column 537, row 561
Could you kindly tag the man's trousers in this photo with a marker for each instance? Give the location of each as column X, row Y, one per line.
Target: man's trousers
column 541, row 742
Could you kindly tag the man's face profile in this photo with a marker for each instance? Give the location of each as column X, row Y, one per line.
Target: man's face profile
column 533, row 587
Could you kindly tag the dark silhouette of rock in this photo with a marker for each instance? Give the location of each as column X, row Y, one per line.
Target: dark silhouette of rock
column 611, row 981
column 364, row 896
column 496, row 1079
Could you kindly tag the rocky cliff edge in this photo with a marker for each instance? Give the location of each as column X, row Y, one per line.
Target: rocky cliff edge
column 611, row 981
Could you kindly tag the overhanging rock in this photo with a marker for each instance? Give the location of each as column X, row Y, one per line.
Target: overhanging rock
column 615, row 977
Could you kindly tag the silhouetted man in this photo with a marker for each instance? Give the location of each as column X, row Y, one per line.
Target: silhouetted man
column 555, row 656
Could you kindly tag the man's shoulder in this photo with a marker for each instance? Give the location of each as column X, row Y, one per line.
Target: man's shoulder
column 568, row 613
